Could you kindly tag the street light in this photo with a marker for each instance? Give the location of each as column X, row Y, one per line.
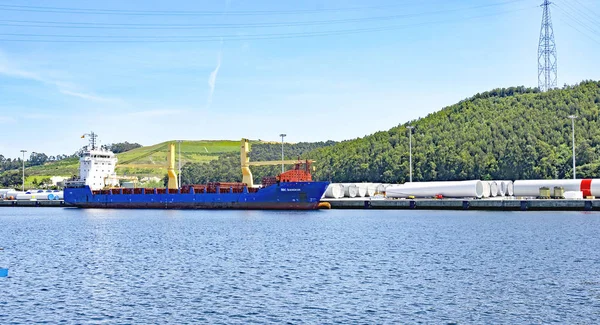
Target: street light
column 23, row 151
column 410, row 128
column 282, row 136
column 573, row 117
column 179, row 163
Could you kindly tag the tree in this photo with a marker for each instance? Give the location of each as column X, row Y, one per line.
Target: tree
column 123, row 146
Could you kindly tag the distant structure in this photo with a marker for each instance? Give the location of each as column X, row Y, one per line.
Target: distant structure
column 546, row 52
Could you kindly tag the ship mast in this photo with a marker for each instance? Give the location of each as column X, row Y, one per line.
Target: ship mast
column 92, row 137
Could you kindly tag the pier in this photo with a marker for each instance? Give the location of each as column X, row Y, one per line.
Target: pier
column 417, row 204
column 32, row 203
column 467, row 204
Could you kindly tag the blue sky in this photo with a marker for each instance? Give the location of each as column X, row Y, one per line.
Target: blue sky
column 416, row 57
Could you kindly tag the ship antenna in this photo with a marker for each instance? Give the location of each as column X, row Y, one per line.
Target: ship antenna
column 93, row 137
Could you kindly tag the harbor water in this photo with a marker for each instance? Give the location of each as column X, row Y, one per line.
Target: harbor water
column 330, row 266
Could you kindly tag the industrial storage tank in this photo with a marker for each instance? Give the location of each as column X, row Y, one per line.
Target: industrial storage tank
column 453, row 189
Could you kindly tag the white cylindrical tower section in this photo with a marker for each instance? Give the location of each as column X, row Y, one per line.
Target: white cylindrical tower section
column 452, row 189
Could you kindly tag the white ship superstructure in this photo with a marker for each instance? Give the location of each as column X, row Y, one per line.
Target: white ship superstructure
column 96, row 167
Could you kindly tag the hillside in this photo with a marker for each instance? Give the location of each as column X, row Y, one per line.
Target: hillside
column 227, row 167
column 146, row 161
column 514, row 133
column 201, row 160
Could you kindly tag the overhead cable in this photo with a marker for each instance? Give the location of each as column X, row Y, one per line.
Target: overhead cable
column 210, row 38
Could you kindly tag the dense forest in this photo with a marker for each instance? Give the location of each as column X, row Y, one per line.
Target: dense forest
column 227, row 168
column 512, row 133
column 508, row 133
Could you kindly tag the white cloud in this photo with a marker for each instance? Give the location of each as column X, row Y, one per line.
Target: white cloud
column 91, row 97
column 12, row 69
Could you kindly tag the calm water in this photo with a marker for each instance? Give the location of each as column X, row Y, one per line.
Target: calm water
column 350, row 267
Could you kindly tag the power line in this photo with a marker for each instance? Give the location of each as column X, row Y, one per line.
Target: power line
column 590, row 11
column 574, row 16
column 133, row 26
column 210, row 38
column 578, row 22
column 96, row 11
column 577, row 29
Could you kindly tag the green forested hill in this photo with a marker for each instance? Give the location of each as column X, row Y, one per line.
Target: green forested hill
column 228, row 167
column 514, row 133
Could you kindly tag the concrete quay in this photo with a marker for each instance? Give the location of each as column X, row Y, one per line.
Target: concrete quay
column 34, row 203
column 467, row 204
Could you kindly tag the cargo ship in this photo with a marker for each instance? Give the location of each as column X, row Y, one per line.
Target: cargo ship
column 95, row 188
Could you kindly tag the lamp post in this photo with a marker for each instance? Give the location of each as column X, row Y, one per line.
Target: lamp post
column 282, row 136
column 179, row 164
column 410, row 128
column 573, row 117
column 23, row 151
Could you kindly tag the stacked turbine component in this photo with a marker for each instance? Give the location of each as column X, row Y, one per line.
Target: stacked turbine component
column 369, row 189
column 588, row 187
column 452, row 189
column 493, row 188
column 361, row 190
column 486, row 188
column 350, row 190
column 334, row 191
column 505, row 188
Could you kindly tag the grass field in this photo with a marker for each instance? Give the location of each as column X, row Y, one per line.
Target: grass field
column 145, row 161
column 65, row 167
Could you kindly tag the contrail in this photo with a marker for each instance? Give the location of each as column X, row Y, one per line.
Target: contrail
column 212, row 79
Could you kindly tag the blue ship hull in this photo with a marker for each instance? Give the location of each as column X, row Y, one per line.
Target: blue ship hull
column 283, row 196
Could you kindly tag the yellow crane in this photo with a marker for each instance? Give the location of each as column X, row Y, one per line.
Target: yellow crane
column 246, row 163
column 173, row 180
column 173, row 183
